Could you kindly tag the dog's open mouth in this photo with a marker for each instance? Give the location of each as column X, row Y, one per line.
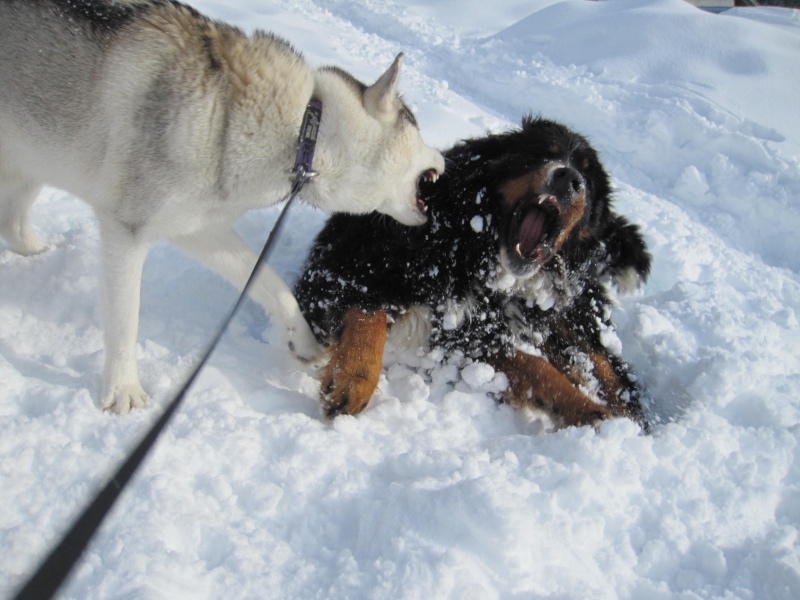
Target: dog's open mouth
column 533, row 228
column 429, row 176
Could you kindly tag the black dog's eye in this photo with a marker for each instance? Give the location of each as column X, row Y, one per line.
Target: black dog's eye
column 582, row 162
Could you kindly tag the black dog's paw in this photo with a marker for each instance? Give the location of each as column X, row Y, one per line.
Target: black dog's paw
column 345, row 393
column 627, row 258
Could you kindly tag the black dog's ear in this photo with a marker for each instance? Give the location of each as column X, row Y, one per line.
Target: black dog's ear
column 529, row 119
column 627, row 258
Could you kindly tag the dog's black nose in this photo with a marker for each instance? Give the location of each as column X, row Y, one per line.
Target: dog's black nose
column 565, row 182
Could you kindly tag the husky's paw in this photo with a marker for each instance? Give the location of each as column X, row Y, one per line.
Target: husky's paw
column 125, row 397
column 303, row 345
column 27, row 245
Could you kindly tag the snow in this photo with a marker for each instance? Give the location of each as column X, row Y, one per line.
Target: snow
column 435, row 491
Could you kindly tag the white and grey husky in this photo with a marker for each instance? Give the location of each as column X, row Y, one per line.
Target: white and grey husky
column 171, row 125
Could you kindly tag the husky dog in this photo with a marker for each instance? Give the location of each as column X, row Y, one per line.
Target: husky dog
column 171, row 126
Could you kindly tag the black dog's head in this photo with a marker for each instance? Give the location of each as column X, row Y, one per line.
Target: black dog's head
column 545, row 187
column 549, row 194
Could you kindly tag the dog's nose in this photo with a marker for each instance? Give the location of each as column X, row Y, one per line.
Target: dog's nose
column 565, row 182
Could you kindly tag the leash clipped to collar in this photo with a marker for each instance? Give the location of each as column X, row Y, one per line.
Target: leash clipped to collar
column 306, row 145
column 55, row 569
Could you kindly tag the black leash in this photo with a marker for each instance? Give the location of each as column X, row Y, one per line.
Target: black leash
column 55, row 569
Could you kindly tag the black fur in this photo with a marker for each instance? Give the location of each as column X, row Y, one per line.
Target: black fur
column 103, row 16
column 373, row 262
column 100, row 15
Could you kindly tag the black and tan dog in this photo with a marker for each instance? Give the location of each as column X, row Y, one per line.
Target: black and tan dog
column 512, row 269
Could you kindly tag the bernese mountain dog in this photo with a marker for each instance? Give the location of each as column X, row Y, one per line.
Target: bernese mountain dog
column 513, row 268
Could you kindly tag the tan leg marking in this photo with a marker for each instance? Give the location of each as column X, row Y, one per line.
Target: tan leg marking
column 535, row 382
column 612, row 391
column 351, row 376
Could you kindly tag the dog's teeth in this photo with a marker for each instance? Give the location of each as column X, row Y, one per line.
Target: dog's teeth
column 431, row 176
column 542, row 198
column 518, row 249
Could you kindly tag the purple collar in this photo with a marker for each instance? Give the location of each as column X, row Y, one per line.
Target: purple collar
column 307, row 142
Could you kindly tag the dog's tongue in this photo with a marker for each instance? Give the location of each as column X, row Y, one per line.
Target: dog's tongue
column 531, row 232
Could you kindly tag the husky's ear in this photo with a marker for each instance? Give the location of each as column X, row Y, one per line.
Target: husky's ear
column 380, row 99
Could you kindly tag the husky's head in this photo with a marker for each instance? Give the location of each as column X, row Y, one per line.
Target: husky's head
column 371, row 156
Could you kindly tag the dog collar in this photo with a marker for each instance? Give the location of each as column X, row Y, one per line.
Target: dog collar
column 307, row 142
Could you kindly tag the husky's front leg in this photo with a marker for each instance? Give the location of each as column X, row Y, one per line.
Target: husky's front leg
column 224, row 252
column 17, row 194
column 123, row 260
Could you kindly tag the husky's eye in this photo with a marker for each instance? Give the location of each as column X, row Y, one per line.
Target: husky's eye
column 408, row 116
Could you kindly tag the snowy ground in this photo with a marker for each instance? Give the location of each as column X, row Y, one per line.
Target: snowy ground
column 436, row 492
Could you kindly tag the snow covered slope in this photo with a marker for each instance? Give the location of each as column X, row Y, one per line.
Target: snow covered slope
column 435, row 491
